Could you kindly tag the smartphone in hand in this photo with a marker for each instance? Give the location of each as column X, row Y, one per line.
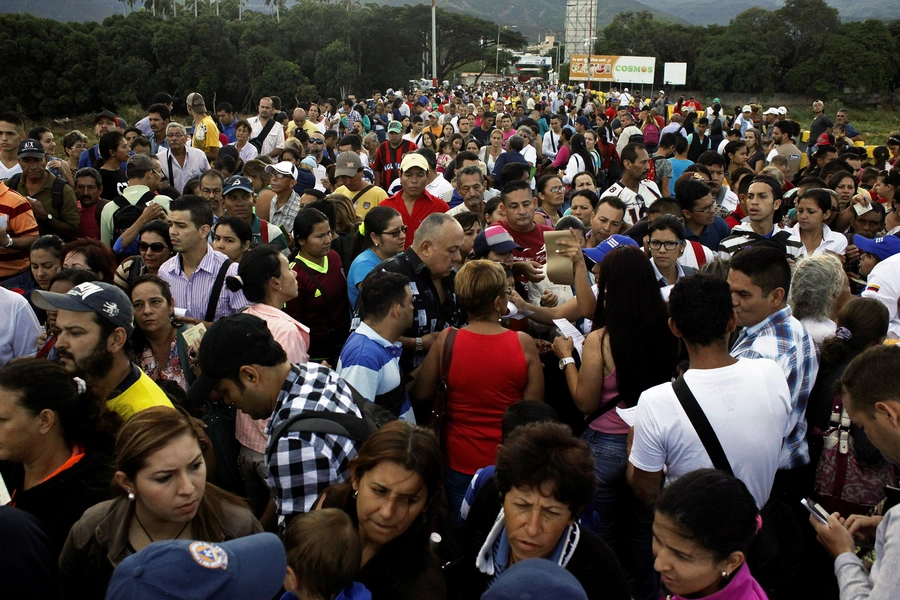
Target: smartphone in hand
column 815, row 510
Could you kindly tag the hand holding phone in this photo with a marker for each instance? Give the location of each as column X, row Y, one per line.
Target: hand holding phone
column 815, row 510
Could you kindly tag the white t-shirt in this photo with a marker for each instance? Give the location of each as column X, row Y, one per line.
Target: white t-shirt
column 635, row 207
column 747, row 405
column 275, row 138
column 441, row 188
column 6, row 173
column 883, row 284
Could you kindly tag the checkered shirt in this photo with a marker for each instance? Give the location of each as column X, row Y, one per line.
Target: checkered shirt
column 783, row 338
column 303, row 465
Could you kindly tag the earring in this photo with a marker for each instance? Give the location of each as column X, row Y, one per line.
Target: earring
column 724, row 574
column 355, row 494
column 376, row 245
column 130, row 495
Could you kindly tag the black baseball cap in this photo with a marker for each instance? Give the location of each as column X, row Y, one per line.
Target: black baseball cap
column 228, row 344
column 31, row 148
column 106, row 114
column 162, row 98
column 105, row 299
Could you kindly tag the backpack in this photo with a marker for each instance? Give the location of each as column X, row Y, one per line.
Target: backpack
column 374, row 417
column 651, row 174
column 56, row 192
column 715, row 126
column 127, row 213
column 651, row 135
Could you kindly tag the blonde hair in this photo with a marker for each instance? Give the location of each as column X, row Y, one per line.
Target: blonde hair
column 345, row 220
column 774, row 173
column 478, row 284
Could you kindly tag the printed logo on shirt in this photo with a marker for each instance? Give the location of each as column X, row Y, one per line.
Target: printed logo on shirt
column 873, row 288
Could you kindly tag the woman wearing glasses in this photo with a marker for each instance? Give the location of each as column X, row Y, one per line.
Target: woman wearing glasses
column 666, row 247
column 381, row 236
column 551, row 195
column 155, row 248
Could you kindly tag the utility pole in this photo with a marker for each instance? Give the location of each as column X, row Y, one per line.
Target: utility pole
column 434, row 71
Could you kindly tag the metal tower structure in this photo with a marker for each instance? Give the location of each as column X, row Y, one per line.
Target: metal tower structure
column 581, row 27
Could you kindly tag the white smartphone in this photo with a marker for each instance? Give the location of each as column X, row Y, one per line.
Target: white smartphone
column 815, row 510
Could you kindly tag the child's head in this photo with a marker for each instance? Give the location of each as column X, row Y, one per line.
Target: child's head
column 323, row 554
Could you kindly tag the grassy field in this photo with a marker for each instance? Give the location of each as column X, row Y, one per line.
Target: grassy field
column 873, row 124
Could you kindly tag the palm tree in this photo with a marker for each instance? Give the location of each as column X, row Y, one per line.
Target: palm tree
column 278, row 4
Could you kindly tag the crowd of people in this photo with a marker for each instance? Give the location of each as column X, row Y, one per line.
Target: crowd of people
column 497, row 341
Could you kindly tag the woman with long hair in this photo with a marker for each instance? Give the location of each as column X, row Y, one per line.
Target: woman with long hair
column 755, row 152
column 158, row 346
column 490, row 153
column 113, row 151
column 475, row 405
column 844, row 184
column 55, row 444
column 429, row 140
column 162, row 494
column 321, row 303
column 551, row 194
column 735, row 154
column 629, row 350
column 232, row 237
column 580, row 160
column 46, row 255
column 393, row 498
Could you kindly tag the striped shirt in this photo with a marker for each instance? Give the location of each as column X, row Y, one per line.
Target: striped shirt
column 193, row 294
column 371, row 364
column 743, row 236
column 783, row 339
column 18, row 220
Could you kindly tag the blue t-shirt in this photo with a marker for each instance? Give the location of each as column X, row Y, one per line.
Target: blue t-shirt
column 678, row 168
column 362, row 265
column 712, row 234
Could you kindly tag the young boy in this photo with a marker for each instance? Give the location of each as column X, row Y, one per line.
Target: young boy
column 323, row 557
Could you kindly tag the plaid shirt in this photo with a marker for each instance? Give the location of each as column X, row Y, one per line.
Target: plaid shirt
column 782, row 338
column 303, row 465
column 286, row 214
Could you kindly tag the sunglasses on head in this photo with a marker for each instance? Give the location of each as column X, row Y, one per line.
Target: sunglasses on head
column 156, row 247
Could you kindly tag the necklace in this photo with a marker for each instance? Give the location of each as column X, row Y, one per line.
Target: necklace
column 144, row 529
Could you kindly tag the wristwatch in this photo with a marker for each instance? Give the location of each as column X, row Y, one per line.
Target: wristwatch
column 566, row 361
column 420, row 345
column 9, row 242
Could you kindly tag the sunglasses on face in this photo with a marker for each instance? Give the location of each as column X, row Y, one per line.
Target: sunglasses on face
column 396, row 232
column 312, row 141
column 156, row 247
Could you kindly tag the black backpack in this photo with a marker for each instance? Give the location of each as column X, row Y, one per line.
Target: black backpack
column 374, row 416
column 127, row 213
column 56, row 192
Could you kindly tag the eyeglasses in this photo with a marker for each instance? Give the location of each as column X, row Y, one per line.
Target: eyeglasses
column 396, row 232
column 657, row 244
column 316, row 141
column 156, row 247
column 706, row 209
column 557, row 189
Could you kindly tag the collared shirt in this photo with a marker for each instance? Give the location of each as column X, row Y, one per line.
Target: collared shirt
column 19, row 221
column 371, row 364
column 273, row 237
column 636, row 204
column 743, row 236
column 285, row 215
column 155, row 146
column 679, row 273
column 275, row 139
column 429, row 314
column 712, row 235
column 133, row 193
column 193, row 294
column 782, row 338
column 423, row 206
column 135, row 393
column 301, row 466
column 229, row 130
column 195, row 162
column 19, row 328
column 832, row 241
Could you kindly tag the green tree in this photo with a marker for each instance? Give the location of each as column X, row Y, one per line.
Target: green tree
column 335, row 74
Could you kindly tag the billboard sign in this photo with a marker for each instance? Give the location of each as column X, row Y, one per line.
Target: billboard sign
column 627, row 69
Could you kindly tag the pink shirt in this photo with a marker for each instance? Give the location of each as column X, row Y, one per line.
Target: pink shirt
column 294, row 338
column 610, row 421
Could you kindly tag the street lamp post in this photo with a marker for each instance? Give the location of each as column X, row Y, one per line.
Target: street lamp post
column 497, row 63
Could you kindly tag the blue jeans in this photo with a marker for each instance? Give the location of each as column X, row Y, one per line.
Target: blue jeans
column 625, row 523
column 23, row 281
column 456, row 484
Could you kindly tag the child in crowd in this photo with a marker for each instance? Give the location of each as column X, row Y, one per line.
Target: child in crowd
column 322, row 567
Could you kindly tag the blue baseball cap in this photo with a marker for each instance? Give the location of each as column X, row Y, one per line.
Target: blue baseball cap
column 882, row 247
column 237, row 182
column 606, row 246
column 247, row 568
column 535, row 578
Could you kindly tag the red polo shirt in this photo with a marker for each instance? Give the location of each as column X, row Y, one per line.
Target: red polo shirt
column 422, row 207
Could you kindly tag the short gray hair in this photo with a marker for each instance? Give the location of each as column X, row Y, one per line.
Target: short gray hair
column 431, row 228
column 173, row 124
column 817, row 282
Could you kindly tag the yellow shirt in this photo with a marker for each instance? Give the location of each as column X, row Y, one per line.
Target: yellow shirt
column 308, row 126
column 140, row 394
column 367, row 201
column 206, row 135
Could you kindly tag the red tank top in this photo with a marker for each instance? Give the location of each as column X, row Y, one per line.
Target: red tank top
column 487, row 375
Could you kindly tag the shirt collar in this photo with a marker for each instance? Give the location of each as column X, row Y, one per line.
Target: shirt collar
column 416, row 262
column 395, row 349
column 775, row 317
column 662, row 280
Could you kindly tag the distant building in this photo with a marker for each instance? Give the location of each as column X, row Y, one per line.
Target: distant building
column 581, row 27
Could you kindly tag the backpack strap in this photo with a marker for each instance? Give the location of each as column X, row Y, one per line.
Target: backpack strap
column 216, row 292
column 702, row 426
column 264, row 231
column 699, row 253
column 264, row 133
column 360, row 193
column 57, row 192
column 13, row 182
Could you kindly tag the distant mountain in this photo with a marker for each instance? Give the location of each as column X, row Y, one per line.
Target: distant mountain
column 707, row 12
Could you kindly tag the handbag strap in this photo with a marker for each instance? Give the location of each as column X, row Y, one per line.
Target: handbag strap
column 701, row 426
column 216, row 292
column 447, row 355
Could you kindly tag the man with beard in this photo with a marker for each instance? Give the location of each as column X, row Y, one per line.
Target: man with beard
column 95, row 320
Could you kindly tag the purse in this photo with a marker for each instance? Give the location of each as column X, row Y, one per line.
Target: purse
column 842, row 482
column 439, row 408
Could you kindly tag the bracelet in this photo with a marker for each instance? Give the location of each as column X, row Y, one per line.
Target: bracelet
column 420, row 345
column 9, row 242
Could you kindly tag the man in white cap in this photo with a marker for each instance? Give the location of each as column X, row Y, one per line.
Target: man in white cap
column 744, row 121
column 770, row 116
column 286, row 203
column 625, row 98
column 206, row 134
column 413, row 201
